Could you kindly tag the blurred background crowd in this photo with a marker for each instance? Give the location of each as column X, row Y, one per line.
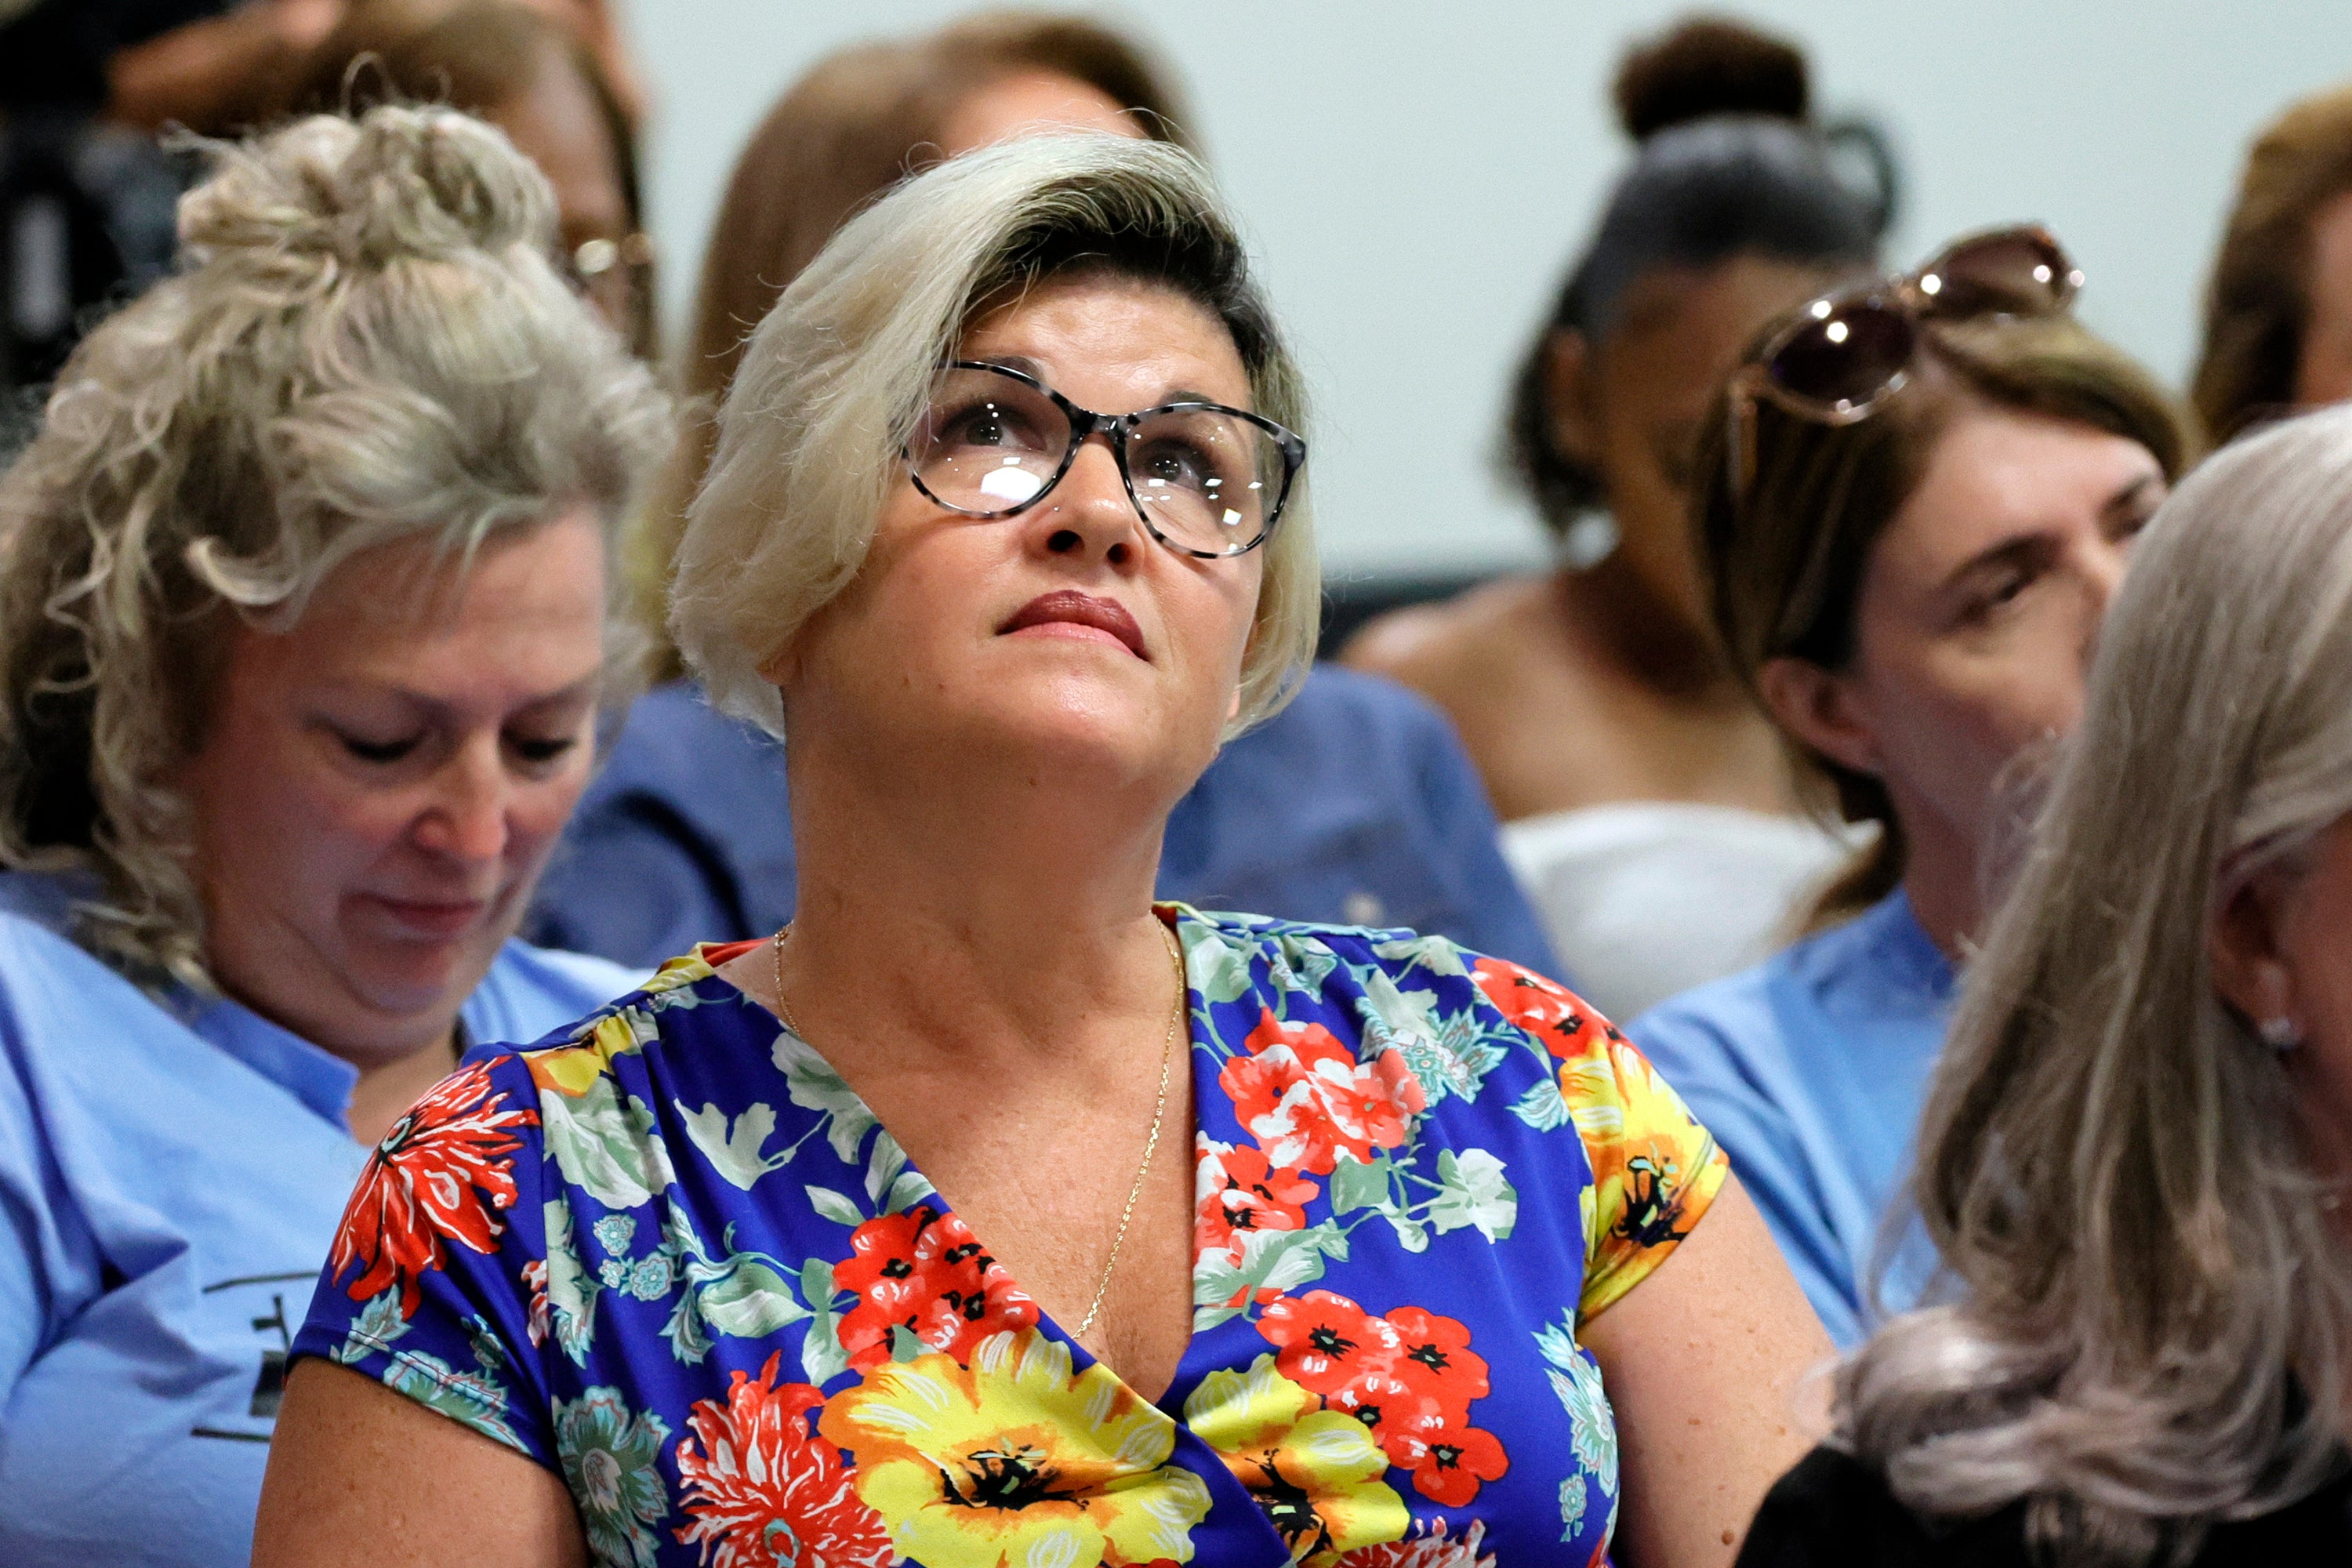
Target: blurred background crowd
column 1730, row 435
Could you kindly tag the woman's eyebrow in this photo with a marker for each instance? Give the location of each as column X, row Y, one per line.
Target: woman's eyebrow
column 2131, row 494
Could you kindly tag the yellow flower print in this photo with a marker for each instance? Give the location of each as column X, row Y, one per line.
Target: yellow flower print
column 573, row 1069
column 1654, row 1169
column 1317, row 1472
column 1014, row 1462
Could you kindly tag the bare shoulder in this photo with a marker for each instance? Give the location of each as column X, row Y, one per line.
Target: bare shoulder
column 1434, row 645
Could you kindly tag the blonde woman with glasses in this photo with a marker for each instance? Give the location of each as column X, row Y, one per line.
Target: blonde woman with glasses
column 2137, row 1147
column 306, row 623
column 991, row 1213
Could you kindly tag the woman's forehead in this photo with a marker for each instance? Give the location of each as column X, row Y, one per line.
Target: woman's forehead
column 1127, row 335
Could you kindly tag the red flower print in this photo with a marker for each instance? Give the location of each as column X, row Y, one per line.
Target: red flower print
column 422, row 1183
column 1438, row 1361
column 762, row 1490
column 923, row 1271
column 1429, row 1546
column 1456, row 1462
column 1324, row 1342
column 1240, row 1192
column 1544, row 1008
column 1303, row 1096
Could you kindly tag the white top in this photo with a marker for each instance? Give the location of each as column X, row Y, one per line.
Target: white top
column 1646, row 899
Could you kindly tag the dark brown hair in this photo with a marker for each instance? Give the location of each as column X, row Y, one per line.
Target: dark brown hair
column 2259, row 301
column 1730, row 165
column 1783, row 564
column 858, row 123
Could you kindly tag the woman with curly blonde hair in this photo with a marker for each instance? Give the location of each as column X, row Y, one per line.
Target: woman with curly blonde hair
column 305, row 630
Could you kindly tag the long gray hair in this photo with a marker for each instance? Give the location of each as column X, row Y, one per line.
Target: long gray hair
column 2141, row 1271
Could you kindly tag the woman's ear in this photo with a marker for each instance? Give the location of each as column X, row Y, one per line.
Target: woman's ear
column 1820, row 708
column 1573, row 426
column 2242, row 944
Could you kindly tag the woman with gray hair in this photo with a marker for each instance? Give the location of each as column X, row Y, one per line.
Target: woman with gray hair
column 305, row 627
column 877, row 1240
column 2134, row 1153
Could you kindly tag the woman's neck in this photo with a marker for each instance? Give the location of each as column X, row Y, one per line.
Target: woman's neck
column 1620, row 616
column 387, row 1089
column 1005, row 918
column 1940, row 875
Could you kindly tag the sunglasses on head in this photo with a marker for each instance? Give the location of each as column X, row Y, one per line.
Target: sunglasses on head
column 1840, row 358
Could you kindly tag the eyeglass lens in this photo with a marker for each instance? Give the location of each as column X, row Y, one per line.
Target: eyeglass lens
column 1847, row 354
column 2017, row 272
column 988, row 443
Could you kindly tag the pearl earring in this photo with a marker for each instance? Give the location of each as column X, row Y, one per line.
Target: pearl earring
column 2280, row 1034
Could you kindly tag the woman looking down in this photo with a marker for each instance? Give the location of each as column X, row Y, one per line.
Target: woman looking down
column 911, row 1233
column 305, row 631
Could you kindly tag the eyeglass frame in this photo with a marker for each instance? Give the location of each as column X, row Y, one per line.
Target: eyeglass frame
column 1116, row 429
column 1901, row 293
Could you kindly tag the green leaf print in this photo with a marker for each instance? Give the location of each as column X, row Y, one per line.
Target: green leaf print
column 1216, row 966
column 1575, row 1381
column 1543, row 1106
column 571, row 1288
column 1270, row 1260
column 1356, row 1185
column 812, row 1084
column 377, row 1326
column 882, row 1165
column 823, row 1359
column 751, row 1301
column 609, row 1150
column 612, row 1465
column 1474, row 1193
column 839, row 1208
column 472, row 1398
column 911, row 1188
column 1300, row 962
column 1435, row 953
column 734, row 1152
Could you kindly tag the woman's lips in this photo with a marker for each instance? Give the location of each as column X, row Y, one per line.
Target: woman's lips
column 431, row 919
column 1066, row 612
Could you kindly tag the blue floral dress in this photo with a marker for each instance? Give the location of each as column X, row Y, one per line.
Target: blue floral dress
column 670, row 1256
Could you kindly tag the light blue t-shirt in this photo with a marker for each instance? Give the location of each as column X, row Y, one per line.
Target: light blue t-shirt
column 169, row 1186
column 1811, row 1069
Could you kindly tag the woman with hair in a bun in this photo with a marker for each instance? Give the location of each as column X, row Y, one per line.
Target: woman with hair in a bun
column 1645, row 800
column 306, row 626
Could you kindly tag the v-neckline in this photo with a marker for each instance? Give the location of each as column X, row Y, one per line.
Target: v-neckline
column 1174, row 915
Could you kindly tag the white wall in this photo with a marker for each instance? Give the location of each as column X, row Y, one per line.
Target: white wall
column 1416, row 178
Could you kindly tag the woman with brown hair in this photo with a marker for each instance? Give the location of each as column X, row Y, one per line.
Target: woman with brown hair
column 1354, row 804
column 2278, row 312
column 535, row 77
column 1645, row 802
column 1917, row 497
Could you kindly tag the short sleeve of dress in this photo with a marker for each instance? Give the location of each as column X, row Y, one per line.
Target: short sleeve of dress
column 1654, row 1168
column 437, row 1285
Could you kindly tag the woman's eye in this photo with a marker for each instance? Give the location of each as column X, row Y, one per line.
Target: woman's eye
column 378, row 752
column 1168, row 463
column 541, row 750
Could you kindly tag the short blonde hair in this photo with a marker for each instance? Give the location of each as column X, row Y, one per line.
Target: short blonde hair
column 834, row 378
column 369, row 343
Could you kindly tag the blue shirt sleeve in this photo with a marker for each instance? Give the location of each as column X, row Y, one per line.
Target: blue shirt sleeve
column 438, row 1283
column 1707, row 1067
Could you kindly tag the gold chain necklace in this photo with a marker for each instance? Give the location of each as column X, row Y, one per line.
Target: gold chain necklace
column 1159, row 1106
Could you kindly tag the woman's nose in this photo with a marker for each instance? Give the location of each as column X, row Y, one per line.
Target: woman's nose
column 467, row 818
column 1089, row 514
